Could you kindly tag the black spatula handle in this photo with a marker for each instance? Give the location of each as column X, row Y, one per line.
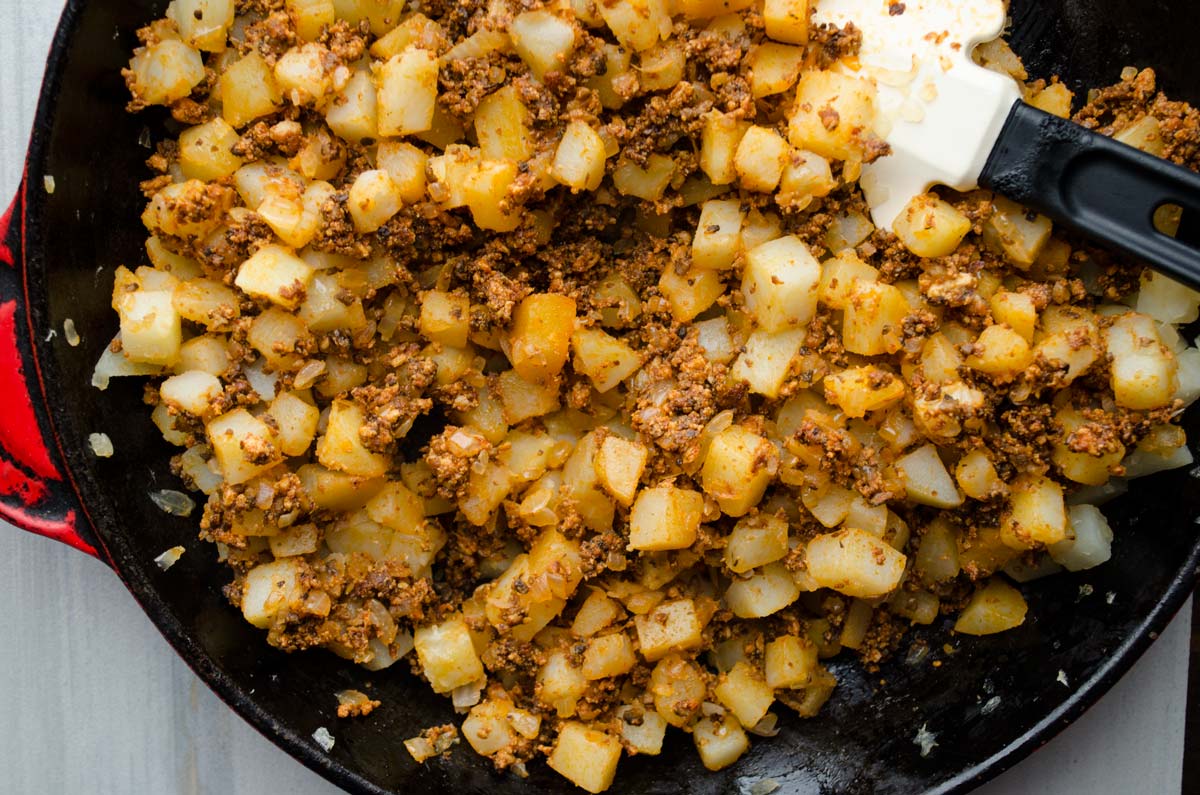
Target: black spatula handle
column 1101, row 188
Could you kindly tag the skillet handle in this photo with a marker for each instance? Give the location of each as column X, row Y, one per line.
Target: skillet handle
column 1099, row 187
column 33, row 493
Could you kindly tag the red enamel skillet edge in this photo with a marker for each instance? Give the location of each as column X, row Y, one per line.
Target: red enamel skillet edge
column 39, row 493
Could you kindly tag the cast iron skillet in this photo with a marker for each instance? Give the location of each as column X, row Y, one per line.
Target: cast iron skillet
column 61, row 251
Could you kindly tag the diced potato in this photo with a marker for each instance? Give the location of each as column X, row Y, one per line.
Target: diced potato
column 738, row 468
column 487, row 487
column 647, row 183
column 977, row 477
column 579, row 158
column 337, row 491
column 718, row 235
column 1144, row 372
column 585, row 757
column 780, row 284
column 203, row 24
column 930, row 227
column 642, row 730
column 274, row 273
column 608, row 655
column 995, row 607
column 855, row 563
column 301, row 75
column 719, row 141
column 874, row 319
column 192, row 391
column 926, row 480
column 543, row 41
column 450, row 172
column 637, row 24
column 789, row 662
column 1144, row 134
column 744, row 693
column 207, row 353
column 206, row 206
column 1015, row 232
column 243, row 446
column 296, row 423
column 373, row 200
column 1082, row 466
column 407, row 87
column 540, row 338
column 341, row 447
column 774, row 68
column 561, row 684
column 597, row 612
column 662, row 66
column 1038, row 514
column 405, row 164
column 861, row 390
column 766, row 359
column 619, row 466
column 270, row 588
column 670, row 626
column 756, row 541
column 937, row 552
column 763, row 593
column 502, row 126
column 606, row 360
column 706, row 9
column 248, row 90
column 354, row 111
column 447, row 656
column 151, row 330
column 678, row 687
column 1092, row 541
column 665, row 518
column 445, row 317
column 521, row 400
column 720, row 743
column 205, row 151
column 165, row 72
column 833, row 115
column 690, row 293
column 486, row 727
column 985, row 553
column 1001, row 353
column 311, row 16
column 841, row 276
column 1054, row 99
column 617, row 66
column 806, row 176
column 1017, row 311
column 787, row 20
column 759, row 159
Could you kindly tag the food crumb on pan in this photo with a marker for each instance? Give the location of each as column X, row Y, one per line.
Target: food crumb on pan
column 101, row 445
column 173, row 502
column 69, row 333
column 323, row 738
column 1110, row 597
column 169, row 558
column 1085, row 591
column 354, row 704
column 764, row 786
column 48, row 184
column 990, row 706
column 1062, row 679
column 925, row 740
column 432, row 741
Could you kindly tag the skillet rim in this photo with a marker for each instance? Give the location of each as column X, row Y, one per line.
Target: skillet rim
column 118, row 552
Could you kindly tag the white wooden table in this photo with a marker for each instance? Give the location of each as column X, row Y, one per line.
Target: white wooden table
column 93, row 701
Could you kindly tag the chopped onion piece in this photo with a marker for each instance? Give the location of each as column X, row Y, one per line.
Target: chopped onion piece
column 70, row 334
column 169, row 558
column 173, row 502
column 323, row 738
column 101, row 445
column 467, row 696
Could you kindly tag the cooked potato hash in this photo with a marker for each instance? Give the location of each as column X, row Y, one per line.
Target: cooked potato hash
column 547, row 347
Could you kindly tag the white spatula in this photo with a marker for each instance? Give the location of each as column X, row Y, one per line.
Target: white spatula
column 950, row 122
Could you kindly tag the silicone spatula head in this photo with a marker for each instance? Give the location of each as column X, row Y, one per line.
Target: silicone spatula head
column 940, row 112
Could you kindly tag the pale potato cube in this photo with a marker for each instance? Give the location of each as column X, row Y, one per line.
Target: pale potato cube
column 192, row 391
column 787, row 20
column 450, row 172
column 165, row 71
column 874, row 319
column 1083, row 467
column 720, row 742
column 243, row 446
column 543, row 40
column 248, row 90
column 670, row 626
column 744, row 693
column 585, row 757
column 637, row 24
column 662, row 66
column 311, row 16
column 486, row 192
column 270, row 588
column 447, row 656
column 301, row 75
column 617, row 65
column 780, row 284
column 718, row 235
column 521, row 400
column 189, row 209
column 353, row 113
column 841, row 276
column 930, row 227
column 855, row 563
column 829, row 505
column 373, row 200
column 760, row 158
column 597, row 612
column 579, row 158
column 926, row 480
column 647, row 183
column 1015, row 232
column 774, row 68
column 581, row 483
column 209, row 354
column 445, row 318
column 608, row 655
column 1017, row 311
column 341, row 447
column 205, row 151
column 977, row 476
column 486, row 726
column 606, row 360
column 619, row 466
column 502, row 126
column 861, row 390
column 1092, row 542
column 1001, row 353
column 203, row 24
column 789, row 662
column 276, row 274
column 678, row 688
column 540, row 337
column 665, row 518
column 806, row 176
column 940, row 359
column 642, row 730
column 560, row 684
column 1038, row 514
column 714, row 339
column 756, row 541
column 833, row 115
column 937, row 552
column 275, row 334
column 296, row 423
column 406, row 92
column 738, row 468
column 1144, row 371
column 766, row 360
column 995, row 607
column 405, row 164
column 417, row 30
column 690, row 293
column 151, row 329
column 719, row 139
column 763, row 593
column 397, row 507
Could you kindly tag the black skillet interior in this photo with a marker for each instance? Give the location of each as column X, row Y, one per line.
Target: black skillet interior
column 863, row 742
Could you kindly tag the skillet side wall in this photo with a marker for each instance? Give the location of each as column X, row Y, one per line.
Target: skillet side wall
column 862, row 743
